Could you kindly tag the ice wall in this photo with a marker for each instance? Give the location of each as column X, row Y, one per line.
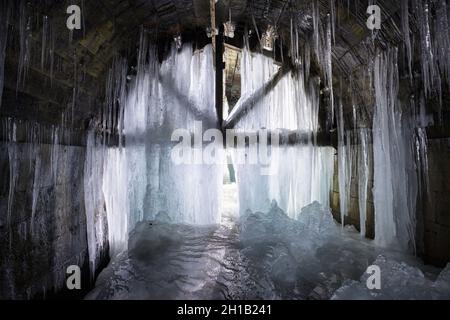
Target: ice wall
column 138, row 180
column 292, row 104
column 294, row 176
column 395, row 175
column 178, row 94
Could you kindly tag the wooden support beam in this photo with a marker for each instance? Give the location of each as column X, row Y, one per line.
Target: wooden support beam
column 212, row 12
column 219, row 77
column 67, row 137
column 35, row 86
column 184, row 100
column 247, row 103
column 287, row 138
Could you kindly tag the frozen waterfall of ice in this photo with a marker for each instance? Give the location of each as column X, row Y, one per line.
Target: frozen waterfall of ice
column 293, row 104
column 179, row 93
column 294, row 176
column 395, row 175
column 139, row 181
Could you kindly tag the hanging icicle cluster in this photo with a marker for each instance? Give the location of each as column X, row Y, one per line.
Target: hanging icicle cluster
column 5, row 13
column 432, row 18
column 323, row 39
column 38, row 165
column 396, row 180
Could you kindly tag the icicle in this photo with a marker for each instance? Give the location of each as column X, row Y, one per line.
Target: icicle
column 333, row 19
column 363, row 177
column 94, row 200
column 44, row 41
column 316, row 30
column 70, row 37
column 55, row 152
column 329, row 70
column 13, row 170
column 443, row 39
column 35, row 193
column 342, row 165
column 25, row 44
column 407, row 36
column 74, row 89
column 323, row 40
column 421, row 144
column 307, row 60
column 4, row 24
column 52, row 52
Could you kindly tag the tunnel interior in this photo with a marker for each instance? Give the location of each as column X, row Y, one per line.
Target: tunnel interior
column 230, row 149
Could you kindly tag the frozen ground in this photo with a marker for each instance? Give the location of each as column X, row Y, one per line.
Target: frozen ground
column 261, row 256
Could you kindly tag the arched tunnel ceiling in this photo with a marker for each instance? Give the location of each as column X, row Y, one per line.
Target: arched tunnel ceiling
column 113, row 26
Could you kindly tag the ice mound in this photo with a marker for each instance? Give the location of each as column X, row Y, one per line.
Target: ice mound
column 306, row 258
column 162, row 216
column 275, row 223
column 399, row 281
column 263, row 255
column 317, row 218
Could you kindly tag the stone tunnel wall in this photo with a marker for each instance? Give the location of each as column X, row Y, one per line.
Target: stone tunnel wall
column 433, row 232
column 353, row 206
column 437, row 209
column 46, row 231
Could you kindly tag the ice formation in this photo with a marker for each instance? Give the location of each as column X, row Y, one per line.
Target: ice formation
column 181, row 95
column 138, row 179
column 38, row 166
column 4, row 24
column 344, row 165
column 262, row 255
column 395, row 177
column 291, row 105
column 295, row 175
column 25, row 20
column 434, row 44
column 399, row 281
column 407, row 35
column 363, row 176
column 323, row 39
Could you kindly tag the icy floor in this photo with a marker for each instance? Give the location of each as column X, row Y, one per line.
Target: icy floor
column 261, row 256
